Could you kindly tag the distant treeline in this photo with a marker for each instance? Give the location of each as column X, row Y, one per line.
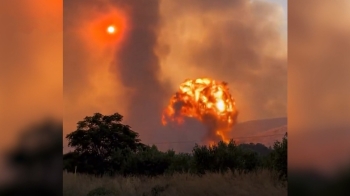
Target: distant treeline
column 104, row 146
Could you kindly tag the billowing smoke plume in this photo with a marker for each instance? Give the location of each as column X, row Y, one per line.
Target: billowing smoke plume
column 138, row 66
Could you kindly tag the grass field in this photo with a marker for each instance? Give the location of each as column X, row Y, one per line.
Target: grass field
column 263, row 183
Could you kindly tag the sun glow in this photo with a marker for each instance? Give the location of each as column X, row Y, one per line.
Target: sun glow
column 111, row 29
column 106, row 29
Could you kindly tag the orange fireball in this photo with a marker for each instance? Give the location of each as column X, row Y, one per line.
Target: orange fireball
column 207, row 100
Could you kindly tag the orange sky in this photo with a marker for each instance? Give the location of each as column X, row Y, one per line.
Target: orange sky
column 318, row 84
column 31, row 64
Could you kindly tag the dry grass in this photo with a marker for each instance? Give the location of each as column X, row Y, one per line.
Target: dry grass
column 260, row 184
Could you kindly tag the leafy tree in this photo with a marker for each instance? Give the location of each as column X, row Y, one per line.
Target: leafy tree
column 149, row 162
column 70, row 161
column 180, row 163
column 216, row 158
column 259, row 148
column 98, row 137
column 279, row 158
column 249, row 161
column 202, row 159
column 103, row 145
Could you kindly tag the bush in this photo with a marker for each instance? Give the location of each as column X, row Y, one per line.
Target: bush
column 149, row 161
column 278, row 158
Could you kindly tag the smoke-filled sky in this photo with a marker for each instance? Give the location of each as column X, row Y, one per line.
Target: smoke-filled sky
column 162, row 43
column 30, row 63
column 318, row 84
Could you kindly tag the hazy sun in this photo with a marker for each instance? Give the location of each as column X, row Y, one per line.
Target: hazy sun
column 111, row 29
column 107, row 28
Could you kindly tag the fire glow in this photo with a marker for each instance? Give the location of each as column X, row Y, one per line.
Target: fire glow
column 208, row 101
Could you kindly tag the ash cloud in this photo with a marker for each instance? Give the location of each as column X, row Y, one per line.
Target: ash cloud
column 138, row 67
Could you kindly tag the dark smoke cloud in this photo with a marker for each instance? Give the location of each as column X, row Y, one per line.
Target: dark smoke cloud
column 139, row 69
column 212, row 125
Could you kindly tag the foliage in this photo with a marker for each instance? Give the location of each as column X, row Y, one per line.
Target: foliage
column 278, row 158
column 215, row 158
column 259, row 148
column 180, row 163
column 222, row 157
column 97, row 138
column 149, row 162
column 106, row 147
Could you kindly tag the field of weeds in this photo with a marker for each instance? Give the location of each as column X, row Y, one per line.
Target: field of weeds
column 262, row 183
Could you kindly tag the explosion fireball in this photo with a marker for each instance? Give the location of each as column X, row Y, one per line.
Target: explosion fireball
column 208, row 101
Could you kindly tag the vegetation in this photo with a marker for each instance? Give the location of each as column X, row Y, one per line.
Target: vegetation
column 98, row 142
column 262, row 183
column 278, row 158
column 105, row 147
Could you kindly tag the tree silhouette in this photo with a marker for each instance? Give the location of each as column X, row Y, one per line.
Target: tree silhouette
column 279, row 157
column 97, row 137
column 103, row 145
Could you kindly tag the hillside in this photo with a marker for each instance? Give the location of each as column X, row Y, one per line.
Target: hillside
column 265, row 131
